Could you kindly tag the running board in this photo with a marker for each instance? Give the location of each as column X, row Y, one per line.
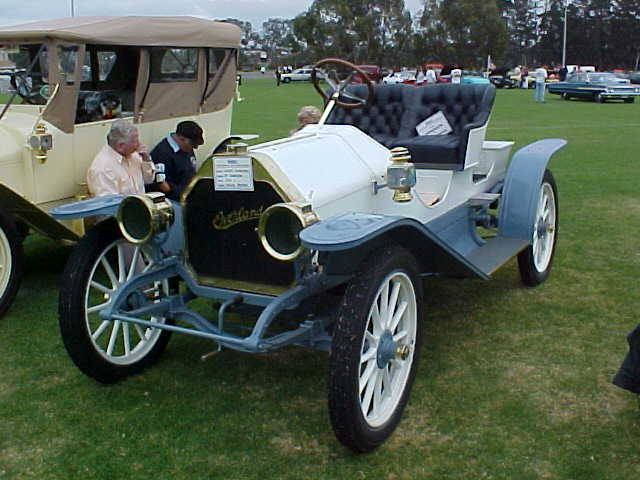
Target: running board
column 496, row 252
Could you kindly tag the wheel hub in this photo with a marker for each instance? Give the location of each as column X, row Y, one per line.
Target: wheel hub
column 387, row 348
column 135, row 300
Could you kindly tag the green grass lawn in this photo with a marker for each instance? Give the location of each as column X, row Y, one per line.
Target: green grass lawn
column 514, row 382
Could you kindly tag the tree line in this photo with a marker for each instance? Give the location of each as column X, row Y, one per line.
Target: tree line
column 605, row 33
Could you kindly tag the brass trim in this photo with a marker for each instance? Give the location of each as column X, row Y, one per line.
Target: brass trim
column 302, row 213
column 160, row 213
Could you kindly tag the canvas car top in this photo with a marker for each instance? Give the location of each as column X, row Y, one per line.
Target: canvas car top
column 129, row 30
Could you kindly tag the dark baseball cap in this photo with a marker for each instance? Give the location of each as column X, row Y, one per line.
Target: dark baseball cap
column 190, row 130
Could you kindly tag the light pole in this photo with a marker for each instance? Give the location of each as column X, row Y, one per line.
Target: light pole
column 564, row 35
column 72, row 9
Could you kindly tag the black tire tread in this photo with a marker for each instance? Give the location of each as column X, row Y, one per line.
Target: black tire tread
column 71, row 310
column 8, row 225
column 344, row 410
column 528, row 272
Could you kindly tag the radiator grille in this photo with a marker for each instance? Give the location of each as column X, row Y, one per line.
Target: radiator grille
column 221, row 236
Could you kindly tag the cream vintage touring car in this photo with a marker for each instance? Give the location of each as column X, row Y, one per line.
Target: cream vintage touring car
column 319, row 240
column 75, row 76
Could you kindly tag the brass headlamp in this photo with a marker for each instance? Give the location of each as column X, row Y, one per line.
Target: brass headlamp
column 40, row 142
column 401, row 175
column 279, row 227
column 142, row 216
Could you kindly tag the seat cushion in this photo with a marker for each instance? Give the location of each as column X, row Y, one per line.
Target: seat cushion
column 435, row 149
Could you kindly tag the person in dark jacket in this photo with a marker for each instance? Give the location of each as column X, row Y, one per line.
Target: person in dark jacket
column 176, row 152
column 628, row 376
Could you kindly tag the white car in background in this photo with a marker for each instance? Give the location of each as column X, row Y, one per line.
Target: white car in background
column 400, row 77
column 299, row 75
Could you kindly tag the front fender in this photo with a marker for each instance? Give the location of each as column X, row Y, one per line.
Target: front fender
column 350, row 237
column 522, row 186
column 172, row 241
column 106, row 205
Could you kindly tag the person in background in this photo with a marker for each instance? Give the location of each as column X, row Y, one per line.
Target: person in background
column 563, row 73
column 278, row 76
column 456, row 75
column 540, row 75
column 123, row 166
column 430, row 76
column 176, row 152
column 420, row 76
column 307, row 115
column 524, row 73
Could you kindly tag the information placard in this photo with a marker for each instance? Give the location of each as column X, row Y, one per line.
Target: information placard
column 233, row 173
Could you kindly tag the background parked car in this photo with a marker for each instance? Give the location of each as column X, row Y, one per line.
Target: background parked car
column 374, row 73
column 597, row 86
column 299, row 75
column 634, row 77
column 404, row 76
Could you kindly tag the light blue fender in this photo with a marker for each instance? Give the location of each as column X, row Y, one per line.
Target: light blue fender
column 522, row 187
column 106, row 205
column 349, row 232
column 172, row 241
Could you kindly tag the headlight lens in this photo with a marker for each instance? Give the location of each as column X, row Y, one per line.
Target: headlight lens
column 280, row 226
column 140, row 217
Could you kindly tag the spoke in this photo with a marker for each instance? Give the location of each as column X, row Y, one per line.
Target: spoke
column 386, row 382
column 400, row 335
column 109, row 270
column 384, row 305
column 125, row 338
column 121, row 266
column 97, row 308
column 113, row 337
column 375, row 318
column 102, row 288
column 140, row 332
column 377, row 394
column 371, row 353
column 398, row 316
column 392, row 303
column 134, row 263
column 368, row 394
column 100, row 329
column 366, row 376
column 371, row 338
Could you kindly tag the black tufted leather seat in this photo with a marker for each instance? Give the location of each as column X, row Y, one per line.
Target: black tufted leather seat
column 396, row 110
column 380, row 119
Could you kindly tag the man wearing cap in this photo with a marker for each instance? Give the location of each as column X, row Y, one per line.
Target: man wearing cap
column 176, row 152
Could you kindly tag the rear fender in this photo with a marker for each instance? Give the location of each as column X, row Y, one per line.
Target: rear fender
column 522, row 186
column 22, row 210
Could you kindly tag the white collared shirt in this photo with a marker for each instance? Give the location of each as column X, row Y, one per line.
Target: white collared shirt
column 111, row 173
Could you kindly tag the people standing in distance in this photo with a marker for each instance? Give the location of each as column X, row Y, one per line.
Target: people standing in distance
column 540, row 76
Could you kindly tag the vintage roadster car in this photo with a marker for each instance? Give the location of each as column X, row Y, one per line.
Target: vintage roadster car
column 319, row 240
column 597, row 86
column 75, row 77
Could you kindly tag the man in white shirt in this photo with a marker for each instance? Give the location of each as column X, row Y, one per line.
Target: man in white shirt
column 540, row 75
column 123, row 166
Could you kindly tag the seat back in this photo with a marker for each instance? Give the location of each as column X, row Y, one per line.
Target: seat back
column 461, row 105
column 380, row 119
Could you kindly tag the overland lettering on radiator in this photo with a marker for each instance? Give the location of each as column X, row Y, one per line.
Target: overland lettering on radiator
column 224, row 221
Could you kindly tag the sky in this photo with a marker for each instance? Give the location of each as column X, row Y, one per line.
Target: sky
column 255, row 11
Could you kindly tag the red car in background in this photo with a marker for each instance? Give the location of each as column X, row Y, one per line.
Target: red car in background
column 374, row 73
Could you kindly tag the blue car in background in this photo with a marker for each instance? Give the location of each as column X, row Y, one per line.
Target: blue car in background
column 597, row 86
column 473, row 78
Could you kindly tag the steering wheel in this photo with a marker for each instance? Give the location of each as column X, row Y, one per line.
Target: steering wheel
column 26, row 88
column 339, row 76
